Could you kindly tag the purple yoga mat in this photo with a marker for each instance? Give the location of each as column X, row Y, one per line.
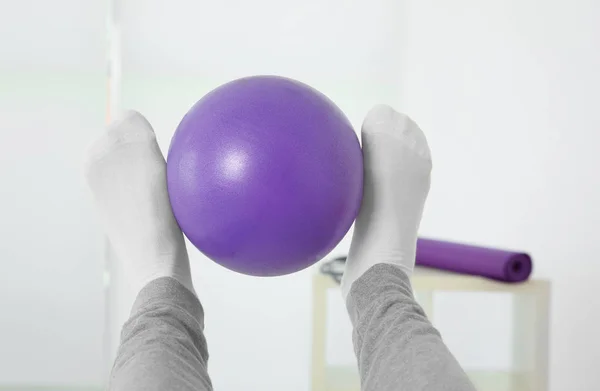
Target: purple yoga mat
column 507, row 266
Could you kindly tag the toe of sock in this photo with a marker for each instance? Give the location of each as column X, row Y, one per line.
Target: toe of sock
column 378, row 118
column 129, row 127
column 383, row 119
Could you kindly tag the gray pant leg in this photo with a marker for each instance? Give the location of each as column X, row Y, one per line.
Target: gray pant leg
column 162, row 344
column 396, row 346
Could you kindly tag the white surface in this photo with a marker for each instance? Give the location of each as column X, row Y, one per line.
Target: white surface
column 57, row 35
column 51, row 251
column 52, row 97
column 474, row 323
column 338, row 348
column 508, row 92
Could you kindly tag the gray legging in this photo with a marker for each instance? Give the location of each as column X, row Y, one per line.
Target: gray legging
column 163, row 345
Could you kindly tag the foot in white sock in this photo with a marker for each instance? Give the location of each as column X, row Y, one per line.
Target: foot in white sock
column 127, row 174
column 397, row 170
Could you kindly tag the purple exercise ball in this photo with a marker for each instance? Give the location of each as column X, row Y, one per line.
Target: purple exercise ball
column 265, row 175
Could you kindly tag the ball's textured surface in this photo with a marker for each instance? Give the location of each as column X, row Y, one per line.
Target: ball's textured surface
column 265, row 175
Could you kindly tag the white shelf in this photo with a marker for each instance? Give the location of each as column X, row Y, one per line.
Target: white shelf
column 529, row 320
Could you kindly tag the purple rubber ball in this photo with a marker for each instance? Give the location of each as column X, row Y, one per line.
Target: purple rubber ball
column 265, row 175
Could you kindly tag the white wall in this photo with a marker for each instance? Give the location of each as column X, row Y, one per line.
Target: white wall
column 508, row 93
column 52, row 98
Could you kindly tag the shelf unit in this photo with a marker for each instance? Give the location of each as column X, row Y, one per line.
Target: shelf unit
column 530, row 319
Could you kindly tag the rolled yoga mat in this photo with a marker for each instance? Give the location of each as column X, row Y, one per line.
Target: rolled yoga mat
column 501, row 265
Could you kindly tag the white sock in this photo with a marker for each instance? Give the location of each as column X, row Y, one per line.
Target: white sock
column 127, row 174
column 397, row 167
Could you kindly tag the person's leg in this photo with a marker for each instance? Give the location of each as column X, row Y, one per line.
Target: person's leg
column 162, row 344
column 396, row 346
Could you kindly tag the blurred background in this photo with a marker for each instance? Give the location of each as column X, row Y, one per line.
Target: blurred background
column 506, row 91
